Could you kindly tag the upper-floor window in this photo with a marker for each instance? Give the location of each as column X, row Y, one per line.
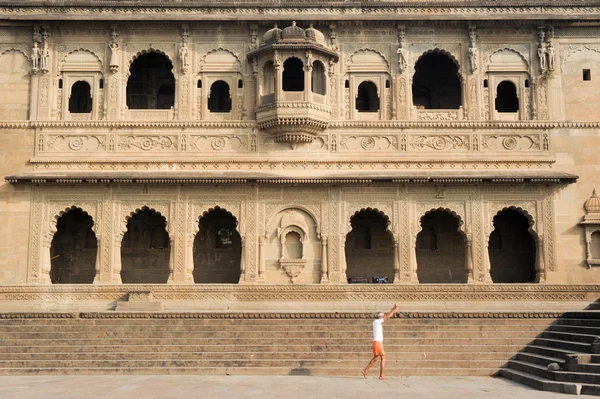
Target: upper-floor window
column 317, row 79
column 80, row 100
column 293, row 75
column 367, row 99
column 436, row 82
column 151, row 84
column 506, row 97
column 219, row 99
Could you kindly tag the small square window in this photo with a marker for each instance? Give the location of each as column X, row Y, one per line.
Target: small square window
column 587, row 74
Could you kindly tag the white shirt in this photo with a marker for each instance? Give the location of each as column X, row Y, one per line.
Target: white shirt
column 378, row 329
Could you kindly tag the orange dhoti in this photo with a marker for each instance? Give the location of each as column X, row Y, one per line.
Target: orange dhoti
column 378, row 348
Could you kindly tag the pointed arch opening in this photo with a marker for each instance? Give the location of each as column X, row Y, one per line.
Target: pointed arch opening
column 217, row 249
column 151, row 84
column 293, row 75
column 369, row 247
column 506, row 97
column 73, row 249
column 512, row 248
column 80, row 100
column 441, row 249
column 318, row 82
column 219, row 99
column 367, row 98
column 145, row 249
column 436, row 82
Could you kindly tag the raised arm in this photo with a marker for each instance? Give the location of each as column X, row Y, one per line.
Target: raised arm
column 390, row 313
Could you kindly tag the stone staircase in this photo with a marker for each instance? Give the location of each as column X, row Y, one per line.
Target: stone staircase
column 475, row 344
column 572, row 343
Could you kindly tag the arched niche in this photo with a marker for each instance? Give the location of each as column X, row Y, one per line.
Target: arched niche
column 367, row 79
column 508, row 81
column 293, row 250
column 369, row 246
column 512, row 248
column 145, row 248
column 441, row 249
column 217, row 249
column 73, row 250
column 221, row 89
column 14, row 85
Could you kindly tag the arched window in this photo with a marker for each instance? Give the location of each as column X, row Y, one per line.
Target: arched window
column 293, row 245
column 80, row 101
column 151, row 84
column 293, row 75
column 506, row 97
column 595, row 245
column 269, row 78
column 318, row 83
column 219, row 99
column 367, row 99
column 436, row 84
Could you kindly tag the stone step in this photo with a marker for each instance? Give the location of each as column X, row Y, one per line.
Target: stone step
column 469, row 371
column 547, row 351
column 389, row 327
column 292, row 364
column 363, row 355
column 537, row 382
column 258, row 334
column 583, row 314
column 538, row 359
column 576, row 329
column 290, row 347
column 270, row 341
column 569, row 336
column 587, row 368
column 568, row 345
column 578, row 322
column 562, row 376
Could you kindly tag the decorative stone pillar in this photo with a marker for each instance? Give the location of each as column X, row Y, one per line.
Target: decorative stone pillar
column 116, row 258
column 396, row 261
column 324, row 261
column 469, row 260
column 540, row 266
column 98, row 277
column 189, row 260
column 261, row 258
column 308, row 76
column 414, row 278
column 243, row 259
column 45, row 262
column 342, row 258
column 278, row 76
column 487, row 265
column 171, row 258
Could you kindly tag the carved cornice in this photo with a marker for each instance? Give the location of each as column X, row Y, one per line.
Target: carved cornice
column 305, row 293
column 308, row 9
column 332, row 124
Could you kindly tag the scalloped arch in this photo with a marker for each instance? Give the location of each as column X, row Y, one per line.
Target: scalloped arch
column 215, row 50
column 64, row 211
column 440, row 51
column 508, row 49
column 530, row 220
column 456, row 215
column 282, row 208
column 148, row 51
column 81, row 49
column 18, row 50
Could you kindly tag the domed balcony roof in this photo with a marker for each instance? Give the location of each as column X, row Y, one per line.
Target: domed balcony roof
column 315, row 35
column 272, row 35
column 293, row 32
column 592, row 205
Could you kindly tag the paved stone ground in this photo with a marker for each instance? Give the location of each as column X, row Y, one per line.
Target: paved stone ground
column 261, row 387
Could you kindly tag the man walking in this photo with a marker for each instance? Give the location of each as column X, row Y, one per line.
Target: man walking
column 378, row 342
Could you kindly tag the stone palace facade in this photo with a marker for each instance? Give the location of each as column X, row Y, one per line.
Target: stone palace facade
column 197, row 143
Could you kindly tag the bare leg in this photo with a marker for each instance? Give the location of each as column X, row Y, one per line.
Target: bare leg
column 382, row 367
column 371, row 363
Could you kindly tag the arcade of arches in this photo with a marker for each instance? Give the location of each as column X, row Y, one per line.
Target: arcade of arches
column 371, row 251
